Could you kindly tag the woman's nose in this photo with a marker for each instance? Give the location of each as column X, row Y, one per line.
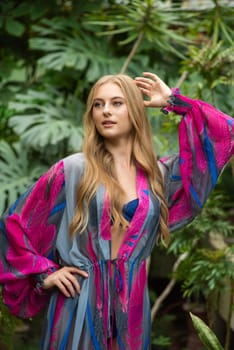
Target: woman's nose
column 106, row 109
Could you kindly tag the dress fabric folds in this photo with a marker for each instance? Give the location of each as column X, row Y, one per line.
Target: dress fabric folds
column 34, row 239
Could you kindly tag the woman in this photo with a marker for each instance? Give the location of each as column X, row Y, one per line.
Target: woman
column 80, row 237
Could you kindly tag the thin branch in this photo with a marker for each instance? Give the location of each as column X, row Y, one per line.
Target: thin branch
column 168, row 288
column 132, row 52
column 182, row 79
column 148, row 262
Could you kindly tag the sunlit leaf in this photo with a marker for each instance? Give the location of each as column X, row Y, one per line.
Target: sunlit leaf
column 206, row 335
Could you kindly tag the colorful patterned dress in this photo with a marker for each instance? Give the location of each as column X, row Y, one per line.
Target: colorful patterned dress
column 34, row 239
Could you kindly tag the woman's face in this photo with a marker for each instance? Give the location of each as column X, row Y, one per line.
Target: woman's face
column 110, row 113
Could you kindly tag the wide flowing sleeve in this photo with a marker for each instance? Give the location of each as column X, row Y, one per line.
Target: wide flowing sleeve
column 206, row 143
column 27, row 243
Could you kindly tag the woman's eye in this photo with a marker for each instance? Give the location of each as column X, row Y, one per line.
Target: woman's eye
column 97, row 104
column 118, row 103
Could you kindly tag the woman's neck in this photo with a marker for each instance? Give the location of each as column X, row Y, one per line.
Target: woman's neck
column 122, row 153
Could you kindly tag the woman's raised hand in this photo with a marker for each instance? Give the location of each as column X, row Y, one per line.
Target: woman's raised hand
column 65, row 280
column 155, row 89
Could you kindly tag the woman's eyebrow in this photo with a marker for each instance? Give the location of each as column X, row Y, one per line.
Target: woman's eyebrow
column 112, row 98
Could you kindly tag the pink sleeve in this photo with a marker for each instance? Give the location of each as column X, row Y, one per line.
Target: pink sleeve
column 206, row 144
column 27, row 240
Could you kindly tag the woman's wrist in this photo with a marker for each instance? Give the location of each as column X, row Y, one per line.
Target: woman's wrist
column 40, row 280
column 167, row 100
column 177, row 103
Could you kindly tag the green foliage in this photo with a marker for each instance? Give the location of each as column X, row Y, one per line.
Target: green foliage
column 66, row 44
column 7, row 325
column 48, row 119
column 219, row 21
column 160, row 23
column 207, row 272
column 206, row 335
column 161, row 330
column 17, row 172
column 207, row 268
column 213, row 218
column 10, row 21
column 213, row 62
column 162, row 341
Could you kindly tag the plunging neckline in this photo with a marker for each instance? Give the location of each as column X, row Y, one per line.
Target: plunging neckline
column 135, row 229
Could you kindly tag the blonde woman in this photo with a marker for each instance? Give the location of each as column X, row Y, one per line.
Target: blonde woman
column 78, row 240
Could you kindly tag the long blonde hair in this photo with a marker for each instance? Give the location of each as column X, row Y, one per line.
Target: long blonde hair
column 99, row 166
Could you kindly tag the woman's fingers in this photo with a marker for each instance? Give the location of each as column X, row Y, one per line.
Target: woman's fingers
column 76, row 270
column 154, row 88
column 64, row 290
column 71, row 284
column 65, row 280
column 153, row 76
column 151, row 82
column 150, row 79
column 144, row 83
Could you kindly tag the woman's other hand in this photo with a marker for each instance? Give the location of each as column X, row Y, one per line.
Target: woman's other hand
column 65, row 280
column 155, row 89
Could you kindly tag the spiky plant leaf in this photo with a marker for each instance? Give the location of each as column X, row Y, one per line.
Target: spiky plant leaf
column 212, row 61
column 206, row 335
column 158, row 21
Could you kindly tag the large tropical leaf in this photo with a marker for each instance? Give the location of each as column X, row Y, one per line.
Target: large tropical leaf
column 44, row 119
column 66, row 46
column 17, row 173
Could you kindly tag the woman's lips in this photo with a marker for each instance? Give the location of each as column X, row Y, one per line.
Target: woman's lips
column 108, row 123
